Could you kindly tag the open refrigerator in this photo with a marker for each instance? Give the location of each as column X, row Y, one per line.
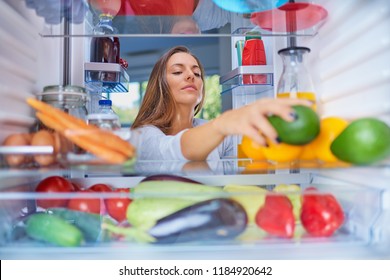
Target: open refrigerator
column 349, row 66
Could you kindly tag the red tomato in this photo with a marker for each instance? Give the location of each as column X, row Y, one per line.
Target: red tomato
column 91, row 205
column 117, row 207
column 76, row 186
column 276, row 216
column 54, row 184
column 321, row 214
column 100, row 188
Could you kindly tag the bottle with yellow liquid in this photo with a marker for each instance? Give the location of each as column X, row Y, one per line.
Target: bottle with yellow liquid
column 295, row 81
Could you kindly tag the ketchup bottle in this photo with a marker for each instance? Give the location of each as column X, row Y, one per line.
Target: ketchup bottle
column 254, row 54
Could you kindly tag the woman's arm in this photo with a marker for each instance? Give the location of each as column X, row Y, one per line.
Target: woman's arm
column 198, row 142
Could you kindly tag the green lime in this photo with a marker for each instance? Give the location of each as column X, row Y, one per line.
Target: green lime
column 363, row 141
column 302, row 130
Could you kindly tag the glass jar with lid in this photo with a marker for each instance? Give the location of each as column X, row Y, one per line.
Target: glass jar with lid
column 70, row 99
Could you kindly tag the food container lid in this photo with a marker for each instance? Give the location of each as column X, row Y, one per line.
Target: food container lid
column 68, row 89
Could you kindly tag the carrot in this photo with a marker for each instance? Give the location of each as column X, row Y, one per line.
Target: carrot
column 100, row 151
column 99, row 142
column 67, row 120
column 77, row 125
column 50, row 122
column 105, row 153
column 105, row 138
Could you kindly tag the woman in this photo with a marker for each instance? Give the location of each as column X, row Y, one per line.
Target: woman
column 175, row 94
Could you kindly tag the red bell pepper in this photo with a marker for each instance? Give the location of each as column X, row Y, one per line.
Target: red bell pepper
column 276, row 216
column 321, row 214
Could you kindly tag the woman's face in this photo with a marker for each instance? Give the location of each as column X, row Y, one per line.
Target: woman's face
column 184, row 79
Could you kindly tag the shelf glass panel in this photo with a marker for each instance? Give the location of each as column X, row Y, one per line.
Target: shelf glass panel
column 207, row 20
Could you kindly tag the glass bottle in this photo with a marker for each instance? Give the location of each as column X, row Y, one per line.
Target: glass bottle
column 105, row 49
column 295, row 80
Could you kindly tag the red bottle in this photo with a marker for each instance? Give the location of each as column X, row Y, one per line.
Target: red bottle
column 254, row 54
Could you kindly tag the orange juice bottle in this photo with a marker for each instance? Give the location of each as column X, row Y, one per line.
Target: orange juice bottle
column 302, row 95
column 295, row 81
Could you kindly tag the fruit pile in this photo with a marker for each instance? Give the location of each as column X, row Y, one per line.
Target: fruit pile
column 173, row 209
column 331, row 139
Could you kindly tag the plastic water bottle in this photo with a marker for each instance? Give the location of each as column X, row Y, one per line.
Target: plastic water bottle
column 105, row 118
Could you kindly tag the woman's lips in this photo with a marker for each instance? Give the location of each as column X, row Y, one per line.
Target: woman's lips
column 189, row 87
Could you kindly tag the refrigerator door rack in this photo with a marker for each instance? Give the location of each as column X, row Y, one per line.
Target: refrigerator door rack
column 113, row 76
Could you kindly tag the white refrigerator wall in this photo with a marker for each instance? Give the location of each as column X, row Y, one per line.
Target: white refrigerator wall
column 349, row 59
column 351, row 68
column 28, row 62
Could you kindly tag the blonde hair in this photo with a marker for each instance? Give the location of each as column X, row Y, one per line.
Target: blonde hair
column 158, row 105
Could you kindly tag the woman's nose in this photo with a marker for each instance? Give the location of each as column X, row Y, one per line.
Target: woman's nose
column 190, row 75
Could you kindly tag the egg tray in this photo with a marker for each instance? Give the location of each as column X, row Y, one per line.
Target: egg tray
column 26, row 150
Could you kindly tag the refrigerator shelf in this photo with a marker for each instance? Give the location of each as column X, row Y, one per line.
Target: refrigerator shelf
column 106, row 77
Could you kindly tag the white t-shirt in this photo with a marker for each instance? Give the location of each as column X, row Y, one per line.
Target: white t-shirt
column 155, row 145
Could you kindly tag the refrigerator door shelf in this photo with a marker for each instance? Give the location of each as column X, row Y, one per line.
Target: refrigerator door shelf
column 113, row 76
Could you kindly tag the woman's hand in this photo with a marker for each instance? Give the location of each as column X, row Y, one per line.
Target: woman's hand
column 251, row 120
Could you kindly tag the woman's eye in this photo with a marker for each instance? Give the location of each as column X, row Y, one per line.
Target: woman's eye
column 197, row 74
column 177, row 73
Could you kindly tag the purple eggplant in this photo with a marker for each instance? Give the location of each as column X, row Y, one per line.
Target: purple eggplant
column 214, row 219
column 168, row 177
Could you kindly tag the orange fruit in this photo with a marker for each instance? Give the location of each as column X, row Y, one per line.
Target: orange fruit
column 309, row 151
column 256, row 167
column 282, row 152
column 251, row 149
column 274, row 152
column 331, row 127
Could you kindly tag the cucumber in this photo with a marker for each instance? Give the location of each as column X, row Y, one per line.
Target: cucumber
column 184, row 190
column 156, row 199
column 88, row 223
column 54, row 230
column 144, row 212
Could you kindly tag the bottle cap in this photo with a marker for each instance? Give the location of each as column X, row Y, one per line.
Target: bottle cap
column 105, row 102
column 252, row 35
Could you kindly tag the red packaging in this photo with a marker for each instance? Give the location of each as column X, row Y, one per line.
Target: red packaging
column 254, row 54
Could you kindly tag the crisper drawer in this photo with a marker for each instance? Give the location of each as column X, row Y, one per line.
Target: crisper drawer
column 180, row 220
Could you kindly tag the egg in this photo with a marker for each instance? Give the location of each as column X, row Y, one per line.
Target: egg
column 44, row 138
column 17, row 139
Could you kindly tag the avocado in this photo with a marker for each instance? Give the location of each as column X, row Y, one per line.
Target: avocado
column 302, row 130
column 363, row 141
